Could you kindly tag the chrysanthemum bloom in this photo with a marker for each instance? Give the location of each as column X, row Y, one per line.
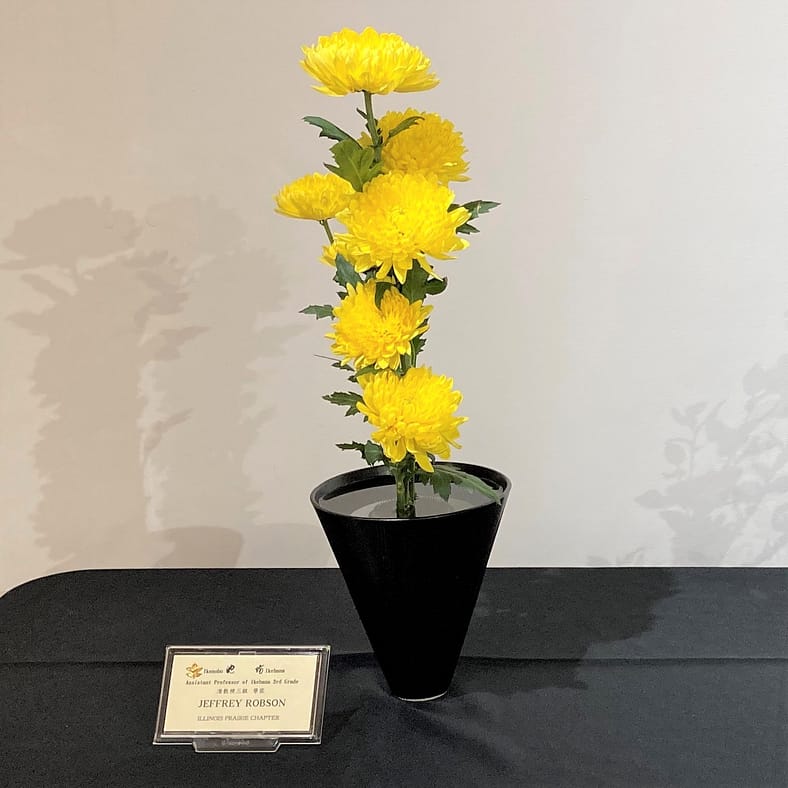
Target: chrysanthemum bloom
column 366, row 334
column 397, row 219
column 348, row 62
column 330, row 252
column 431, row 146
column 413, row 413
column 329, row 256
column 319, row 196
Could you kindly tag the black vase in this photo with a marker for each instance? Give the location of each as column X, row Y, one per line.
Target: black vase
column 415, row 581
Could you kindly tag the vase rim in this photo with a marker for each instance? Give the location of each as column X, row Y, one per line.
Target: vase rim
column 379, row 475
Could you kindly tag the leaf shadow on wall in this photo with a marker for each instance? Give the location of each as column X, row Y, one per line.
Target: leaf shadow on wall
column 725, row 497
column 148, row 385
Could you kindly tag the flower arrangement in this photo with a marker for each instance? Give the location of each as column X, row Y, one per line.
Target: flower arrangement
column 389, row 189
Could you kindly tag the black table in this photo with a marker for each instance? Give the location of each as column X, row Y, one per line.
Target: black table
column 569, row 677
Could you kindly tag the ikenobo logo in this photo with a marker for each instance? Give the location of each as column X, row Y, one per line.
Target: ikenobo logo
column 194, row 671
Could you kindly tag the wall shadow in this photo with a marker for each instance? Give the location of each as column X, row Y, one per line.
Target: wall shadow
column 152, row 330
column 725, row 495
column 221, row 377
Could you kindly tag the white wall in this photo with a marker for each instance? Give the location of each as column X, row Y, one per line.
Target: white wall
column 159, row 395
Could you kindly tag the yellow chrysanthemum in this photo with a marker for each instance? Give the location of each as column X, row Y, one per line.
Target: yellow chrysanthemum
column 329, row 256
column 348, row 62
column 366, row 334
column 413, row 413
column 431, row 146
column 330, row 252
column 319, row 196
column 397, row 219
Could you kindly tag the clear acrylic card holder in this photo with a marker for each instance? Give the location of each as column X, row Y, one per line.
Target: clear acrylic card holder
column 242, row 698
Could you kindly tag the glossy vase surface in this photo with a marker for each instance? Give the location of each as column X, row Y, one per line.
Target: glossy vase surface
column 414, row 581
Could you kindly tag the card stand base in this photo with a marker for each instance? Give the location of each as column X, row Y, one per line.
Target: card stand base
column 232, row 744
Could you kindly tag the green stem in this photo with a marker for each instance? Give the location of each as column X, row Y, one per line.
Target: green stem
column 405, row 481
column 372, row 125
column 324, row 223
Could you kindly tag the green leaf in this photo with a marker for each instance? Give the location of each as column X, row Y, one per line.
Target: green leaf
column 405, row 124
column 471, row 482
column 354, row 446
column 441, row 483
column 436, row 286
column 417, row 345
column 421, row 476
column 373, row 453
column 414, row 288
column 475, row 208
column 345, row 398
column 478, row 207
column 380, row 291
column 346, row 274
column 418, row 284
column 368, row 370
column 319, row 311
column 355, row 164
column 329, row 130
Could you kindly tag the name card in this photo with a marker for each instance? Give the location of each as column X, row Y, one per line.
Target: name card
column 242, row 698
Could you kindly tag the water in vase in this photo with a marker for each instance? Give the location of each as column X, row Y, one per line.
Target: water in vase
column 380, row 501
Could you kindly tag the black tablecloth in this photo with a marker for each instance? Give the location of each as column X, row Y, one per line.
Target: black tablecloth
column 569, row 677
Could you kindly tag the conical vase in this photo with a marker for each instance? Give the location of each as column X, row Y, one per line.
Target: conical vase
column 415, row 581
